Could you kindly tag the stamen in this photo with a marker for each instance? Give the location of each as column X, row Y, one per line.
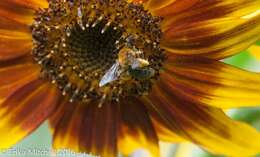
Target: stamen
column 106, row 27
column 97, row 21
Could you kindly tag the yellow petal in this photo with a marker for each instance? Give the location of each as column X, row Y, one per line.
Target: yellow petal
column 164, row 133
column 136, row 129
column 86, row 128
column 24, row 110
column 169, row 7
column 214, row 29
column 66, row 124
column 212, row 83
column 255, row 51
column 206, row 126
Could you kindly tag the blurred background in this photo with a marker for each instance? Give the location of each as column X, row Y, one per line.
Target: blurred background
column 40, row 140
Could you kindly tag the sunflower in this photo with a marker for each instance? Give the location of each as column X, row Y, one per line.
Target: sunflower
column 254, row 51
column 114, row 76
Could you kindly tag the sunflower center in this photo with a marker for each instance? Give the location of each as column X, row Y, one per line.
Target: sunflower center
column 93, row 49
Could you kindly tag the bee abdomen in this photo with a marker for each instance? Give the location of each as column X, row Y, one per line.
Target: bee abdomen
column 141, row 73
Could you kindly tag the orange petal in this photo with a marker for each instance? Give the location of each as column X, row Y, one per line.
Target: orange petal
column 168, row 7
column 212, row 83
column 17, row 14
column 213, row 29
column 15, row 35
column 66, row 124
column 15, row 39
column 206, row 126
column 86, row 128
column 32, row 4
column 13, row 10
column 15, row 76
column 155, row 4
column 136, row 129
column 25, row 110
column 12, row 25
column 14, row 44
column 137, row 1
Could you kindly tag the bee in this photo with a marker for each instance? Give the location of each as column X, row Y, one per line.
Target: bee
column 130, row 63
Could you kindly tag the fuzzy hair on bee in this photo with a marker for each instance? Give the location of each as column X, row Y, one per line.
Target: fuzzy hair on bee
column 130, row 62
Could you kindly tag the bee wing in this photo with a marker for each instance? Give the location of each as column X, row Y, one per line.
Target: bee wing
column 111, row 75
